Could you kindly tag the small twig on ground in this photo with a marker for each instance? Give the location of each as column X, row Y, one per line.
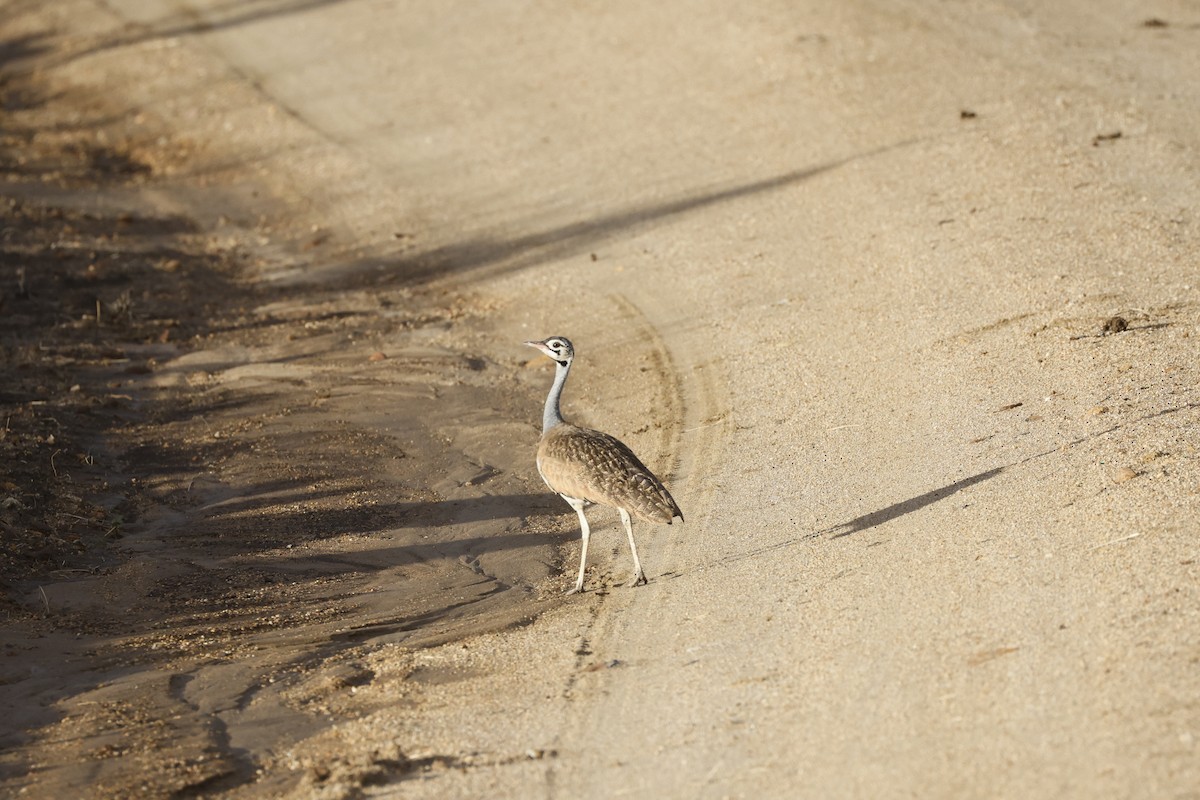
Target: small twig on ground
column 45, row 600
column 1115, row 541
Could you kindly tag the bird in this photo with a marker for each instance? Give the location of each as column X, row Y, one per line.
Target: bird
column 585, row 466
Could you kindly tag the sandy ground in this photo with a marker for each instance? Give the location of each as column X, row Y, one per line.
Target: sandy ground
column 845, row 274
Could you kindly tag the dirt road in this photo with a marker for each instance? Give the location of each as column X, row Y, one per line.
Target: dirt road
column 847, row 275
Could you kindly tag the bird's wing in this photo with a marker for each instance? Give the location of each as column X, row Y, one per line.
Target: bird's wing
column 594, row 466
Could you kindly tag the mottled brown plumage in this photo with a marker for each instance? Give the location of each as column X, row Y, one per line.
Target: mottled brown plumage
column 586, row 466
column 593, row 466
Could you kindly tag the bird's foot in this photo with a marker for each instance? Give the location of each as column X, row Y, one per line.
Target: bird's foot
column 638, row 580
column 576, row 589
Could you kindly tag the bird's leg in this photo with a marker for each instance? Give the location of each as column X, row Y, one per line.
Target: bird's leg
column 639, row 577
column 583, row 527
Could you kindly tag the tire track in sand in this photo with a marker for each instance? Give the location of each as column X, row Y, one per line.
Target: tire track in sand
column 696, row 422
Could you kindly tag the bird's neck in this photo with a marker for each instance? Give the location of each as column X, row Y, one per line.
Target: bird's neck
column 551, row 415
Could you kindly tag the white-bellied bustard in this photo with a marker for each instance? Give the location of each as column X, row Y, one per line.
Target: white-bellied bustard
column 585, row 466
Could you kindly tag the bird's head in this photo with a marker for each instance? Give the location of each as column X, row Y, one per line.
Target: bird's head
column 557, row 347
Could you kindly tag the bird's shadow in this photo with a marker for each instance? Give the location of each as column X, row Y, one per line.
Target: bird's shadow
column 859, row 524
column 896, row 510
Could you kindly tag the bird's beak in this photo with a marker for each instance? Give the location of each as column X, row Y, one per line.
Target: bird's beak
column 542, row 347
